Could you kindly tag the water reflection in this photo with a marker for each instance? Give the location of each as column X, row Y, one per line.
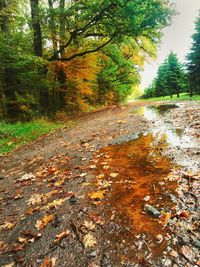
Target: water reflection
column 153, row 112
column 173, row 137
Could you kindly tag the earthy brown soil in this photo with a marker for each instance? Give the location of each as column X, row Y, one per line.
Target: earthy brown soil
column 76, row 197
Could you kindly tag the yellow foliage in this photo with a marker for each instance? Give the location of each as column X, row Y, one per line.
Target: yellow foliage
column 80, row 77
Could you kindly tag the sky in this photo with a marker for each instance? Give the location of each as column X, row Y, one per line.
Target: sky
column 177, row 37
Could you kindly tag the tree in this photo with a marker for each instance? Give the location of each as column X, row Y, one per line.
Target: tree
column 176, row 75
column 64, row 55
column 37, row 33
column 162, row 87
column 193, row 58
column 103, row 22
column 171, row 79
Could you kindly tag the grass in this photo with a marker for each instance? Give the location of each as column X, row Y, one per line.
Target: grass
column 183, row 96
column 18, row 134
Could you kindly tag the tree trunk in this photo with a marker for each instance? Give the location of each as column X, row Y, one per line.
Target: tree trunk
column 37, row 34
column 4, row 27
column 3, row 106
column 53, row 28
column 4, row 19
column 62, row 25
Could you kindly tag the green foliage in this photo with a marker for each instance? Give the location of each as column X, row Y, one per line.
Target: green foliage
column 117, row 76
column 120, row 33
column 194, row 60
column 16, row 135
column 171, row 79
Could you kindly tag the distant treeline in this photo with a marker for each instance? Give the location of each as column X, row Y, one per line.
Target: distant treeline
column 175, row 78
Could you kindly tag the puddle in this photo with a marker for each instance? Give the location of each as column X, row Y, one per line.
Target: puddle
column 141, row 171
column 153, row 112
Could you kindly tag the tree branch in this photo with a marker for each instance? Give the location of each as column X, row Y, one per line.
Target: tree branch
column 89, row 51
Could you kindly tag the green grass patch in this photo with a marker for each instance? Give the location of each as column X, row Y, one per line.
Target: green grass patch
column 183, row 96
column 18, row 134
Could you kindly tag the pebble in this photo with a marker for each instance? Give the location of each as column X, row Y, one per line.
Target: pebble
column 153, row 211
column 73, row 200
column 168, row 263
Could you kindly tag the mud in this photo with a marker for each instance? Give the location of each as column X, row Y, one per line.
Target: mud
column 102, row 172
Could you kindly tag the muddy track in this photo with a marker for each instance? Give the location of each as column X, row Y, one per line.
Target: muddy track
column 81, row 196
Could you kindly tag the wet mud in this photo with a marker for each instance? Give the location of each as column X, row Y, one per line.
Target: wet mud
column 119, row 189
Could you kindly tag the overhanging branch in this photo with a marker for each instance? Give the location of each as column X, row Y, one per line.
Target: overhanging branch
column 80, row 54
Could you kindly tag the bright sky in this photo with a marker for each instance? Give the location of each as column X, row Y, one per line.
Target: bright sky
column 177, row 37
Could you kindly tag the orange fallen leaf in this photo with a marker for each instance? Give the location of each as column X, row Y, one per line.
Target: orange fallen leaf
column 49, row 262
column 62, row 235
column 166, row 216
column 184, row 214
column 7, row 226
column 32, row 210
column 40, row 224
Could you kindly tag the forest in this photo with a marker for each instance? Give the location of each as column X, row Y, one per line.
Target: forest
column 174, row 77
column 91, row 174
column 72, row 56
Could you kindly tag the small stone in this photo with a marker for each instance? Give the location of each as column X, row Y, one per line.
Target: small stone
column 168, row 263
column 173, row 254
column 92, row 254
column 151, row 210
column 73, row 200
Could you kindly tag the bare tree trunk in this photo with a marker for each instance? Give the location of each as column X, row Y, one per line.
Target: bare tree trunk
column 37, row 33
column 53, row 28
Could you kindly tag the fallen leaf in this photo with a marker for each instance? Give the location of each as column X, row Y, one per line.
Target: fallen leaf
column 32, row 210
column 35, row 199
column 7, row 226
column 89, row 241
column 22, row 239
column 187, row 252
column 62, row 235
column 184, row 214
column 52, row 170
column 49, row 262
column 9, row 265
column 54, row 204
column 166, row 216
column 92, row 167
column 83, row 174
column 89, row 225
column 147, row 198
column 40, row 224
column 113, row 175
column 98, row 194
column 100, row 176
column 104, row 184
column 3, row 246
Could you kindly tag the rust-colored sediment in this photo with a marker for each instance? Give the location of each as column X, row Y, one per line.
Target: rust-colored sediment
column 142, row 171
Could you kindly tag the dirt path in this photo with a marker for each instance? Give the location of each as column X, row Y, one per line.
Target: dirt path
column 118, row 189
